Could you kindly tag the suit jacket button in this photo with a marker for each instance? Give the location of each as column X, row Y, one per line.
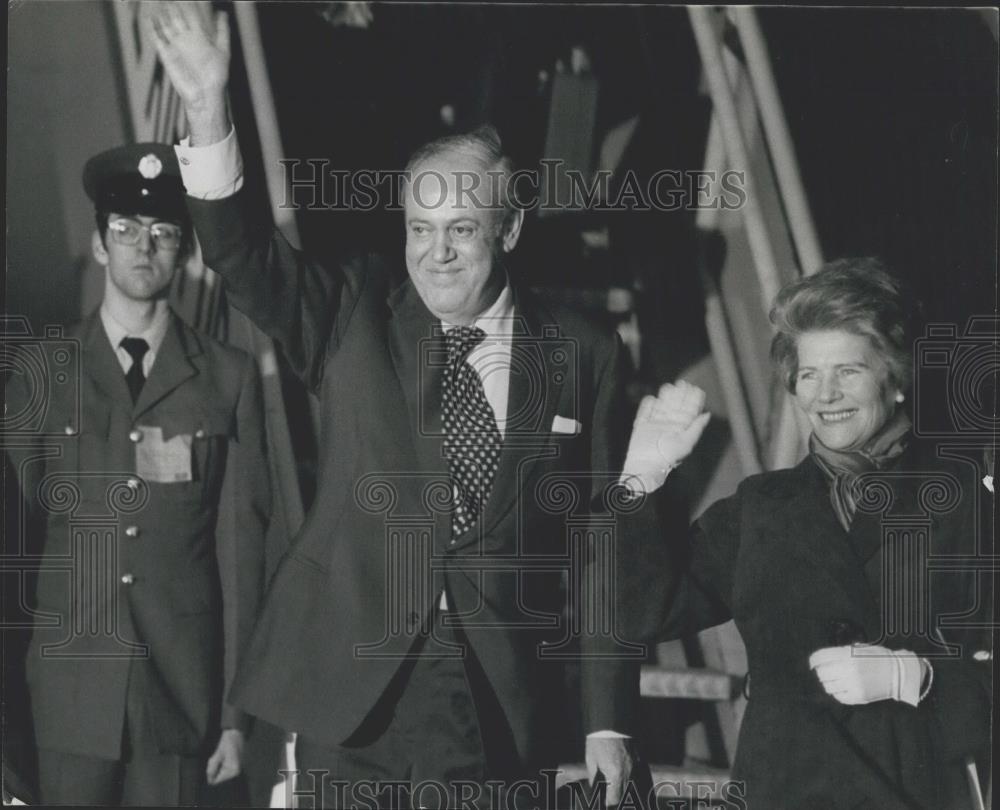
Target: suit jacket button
column 69, row 430
column 135, row 436
column 132, row 483
column 132, row 531
column 199, row 434
column 127, row 579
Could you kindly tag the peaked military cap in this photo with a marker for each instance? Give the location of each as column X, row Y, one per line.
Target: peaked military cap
column 139, row 178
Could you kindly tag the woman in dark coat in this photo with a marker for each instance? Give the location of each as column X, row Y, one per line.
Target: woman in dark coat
column 858, row 579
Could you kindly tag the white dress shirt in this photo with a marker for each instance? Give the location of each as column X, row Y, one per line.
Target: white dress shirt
column 491, row 358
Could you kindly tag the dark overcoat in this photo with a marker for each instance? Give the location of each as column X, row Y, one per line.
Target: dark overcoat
column 912, row 573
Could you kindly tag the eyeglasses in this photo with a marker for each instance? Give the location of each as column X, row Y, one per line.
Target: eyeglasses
column 128, row 232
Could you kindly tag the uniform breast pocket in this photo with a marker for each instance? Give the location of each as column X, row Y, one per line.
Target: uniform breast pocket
column 82, row 432
column 88, row 456
column 209, row 448
column 186, row 455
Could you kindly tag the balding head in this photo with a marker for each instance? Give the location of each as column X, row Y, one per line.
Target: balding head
column 459, row 223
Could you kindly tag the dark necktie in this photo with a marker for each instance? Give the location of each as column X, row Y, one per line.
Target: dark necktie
column 137, row 348
column 471, row 438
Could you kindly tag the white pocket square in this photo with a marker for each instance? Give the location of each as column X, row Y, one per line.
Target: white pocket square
column 560, row 424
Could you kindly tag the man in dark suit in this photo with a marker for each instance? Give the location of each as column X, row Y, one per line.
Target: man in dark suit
column 471, row 446
column 131, row 651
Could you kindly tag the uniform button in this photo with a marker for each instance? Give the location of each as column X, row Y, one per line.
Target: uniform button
column 69, row 430
column 127, row 579
column 135, row 436
column 132, row 531
column 982, row 655
column 199, row 434
column 132, row 483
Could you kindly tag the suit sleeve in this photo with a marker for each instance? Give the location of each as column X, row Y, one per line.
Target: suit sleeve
column 246, row 492
column 609, row 669
column 294, row 300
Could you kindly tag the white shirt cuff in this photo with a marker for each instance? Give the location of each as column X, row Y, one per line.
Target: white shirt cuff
column 609, row 734
column 911, row 676
column 211, row 172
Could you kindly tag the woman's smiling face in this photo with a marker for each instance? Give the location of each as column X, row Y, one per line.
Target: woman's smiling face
column 843, row 386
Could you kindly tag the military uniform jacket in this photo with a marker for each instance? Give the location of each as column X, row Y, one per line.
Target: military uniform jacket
column 130, row 580
column 913, row 573
column 369, row 564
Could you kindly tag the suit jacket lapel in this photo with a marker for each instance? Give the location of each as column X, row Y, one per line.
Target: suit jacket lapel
column 531, row 406
column 416, row 346
column 100, row 362
column 173, row 365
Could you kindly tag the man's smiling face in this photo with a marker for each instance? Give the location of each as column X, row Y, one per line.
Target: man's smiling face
column 455, row 240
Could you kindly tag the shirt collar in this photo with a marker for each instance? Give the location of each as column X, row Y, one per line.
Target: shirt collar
column 154, row 335
column 497, row 320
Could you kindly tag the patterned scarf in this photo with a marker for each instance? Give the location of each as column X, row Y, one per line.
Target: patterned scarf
column 842, row 468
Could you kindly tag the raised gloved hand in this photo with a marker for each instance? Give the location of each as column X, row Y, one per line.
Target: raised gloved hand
column 857, row 674
column 665, row 431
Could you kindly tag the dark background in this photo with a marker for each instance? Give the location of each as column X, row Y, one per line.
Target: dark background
column 893, row 113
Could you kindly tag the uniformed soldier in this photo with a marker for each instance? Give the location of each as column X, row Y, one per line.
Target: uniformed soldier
column 163, row 452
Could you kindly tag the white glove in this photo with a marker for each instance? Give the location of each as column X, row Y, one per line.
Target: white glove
column 665, row 431
column 864, row 673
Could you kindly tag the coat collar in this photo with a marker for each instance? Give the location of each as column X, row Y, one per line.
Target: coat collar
column 173, row 364
column 890, row 511
column 99, row 361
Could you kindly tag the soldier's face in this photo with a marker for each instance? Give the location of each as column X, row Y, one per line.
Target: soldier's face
column 455, row 240
column 139, row 272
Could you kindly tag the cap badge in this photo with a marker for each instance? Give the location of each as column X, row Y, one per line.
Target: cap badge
column 150, row 166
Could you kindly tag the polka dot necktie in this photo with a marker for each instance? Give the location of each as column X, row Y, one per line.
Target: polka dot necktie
column 471, row 438
column 134, row 377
